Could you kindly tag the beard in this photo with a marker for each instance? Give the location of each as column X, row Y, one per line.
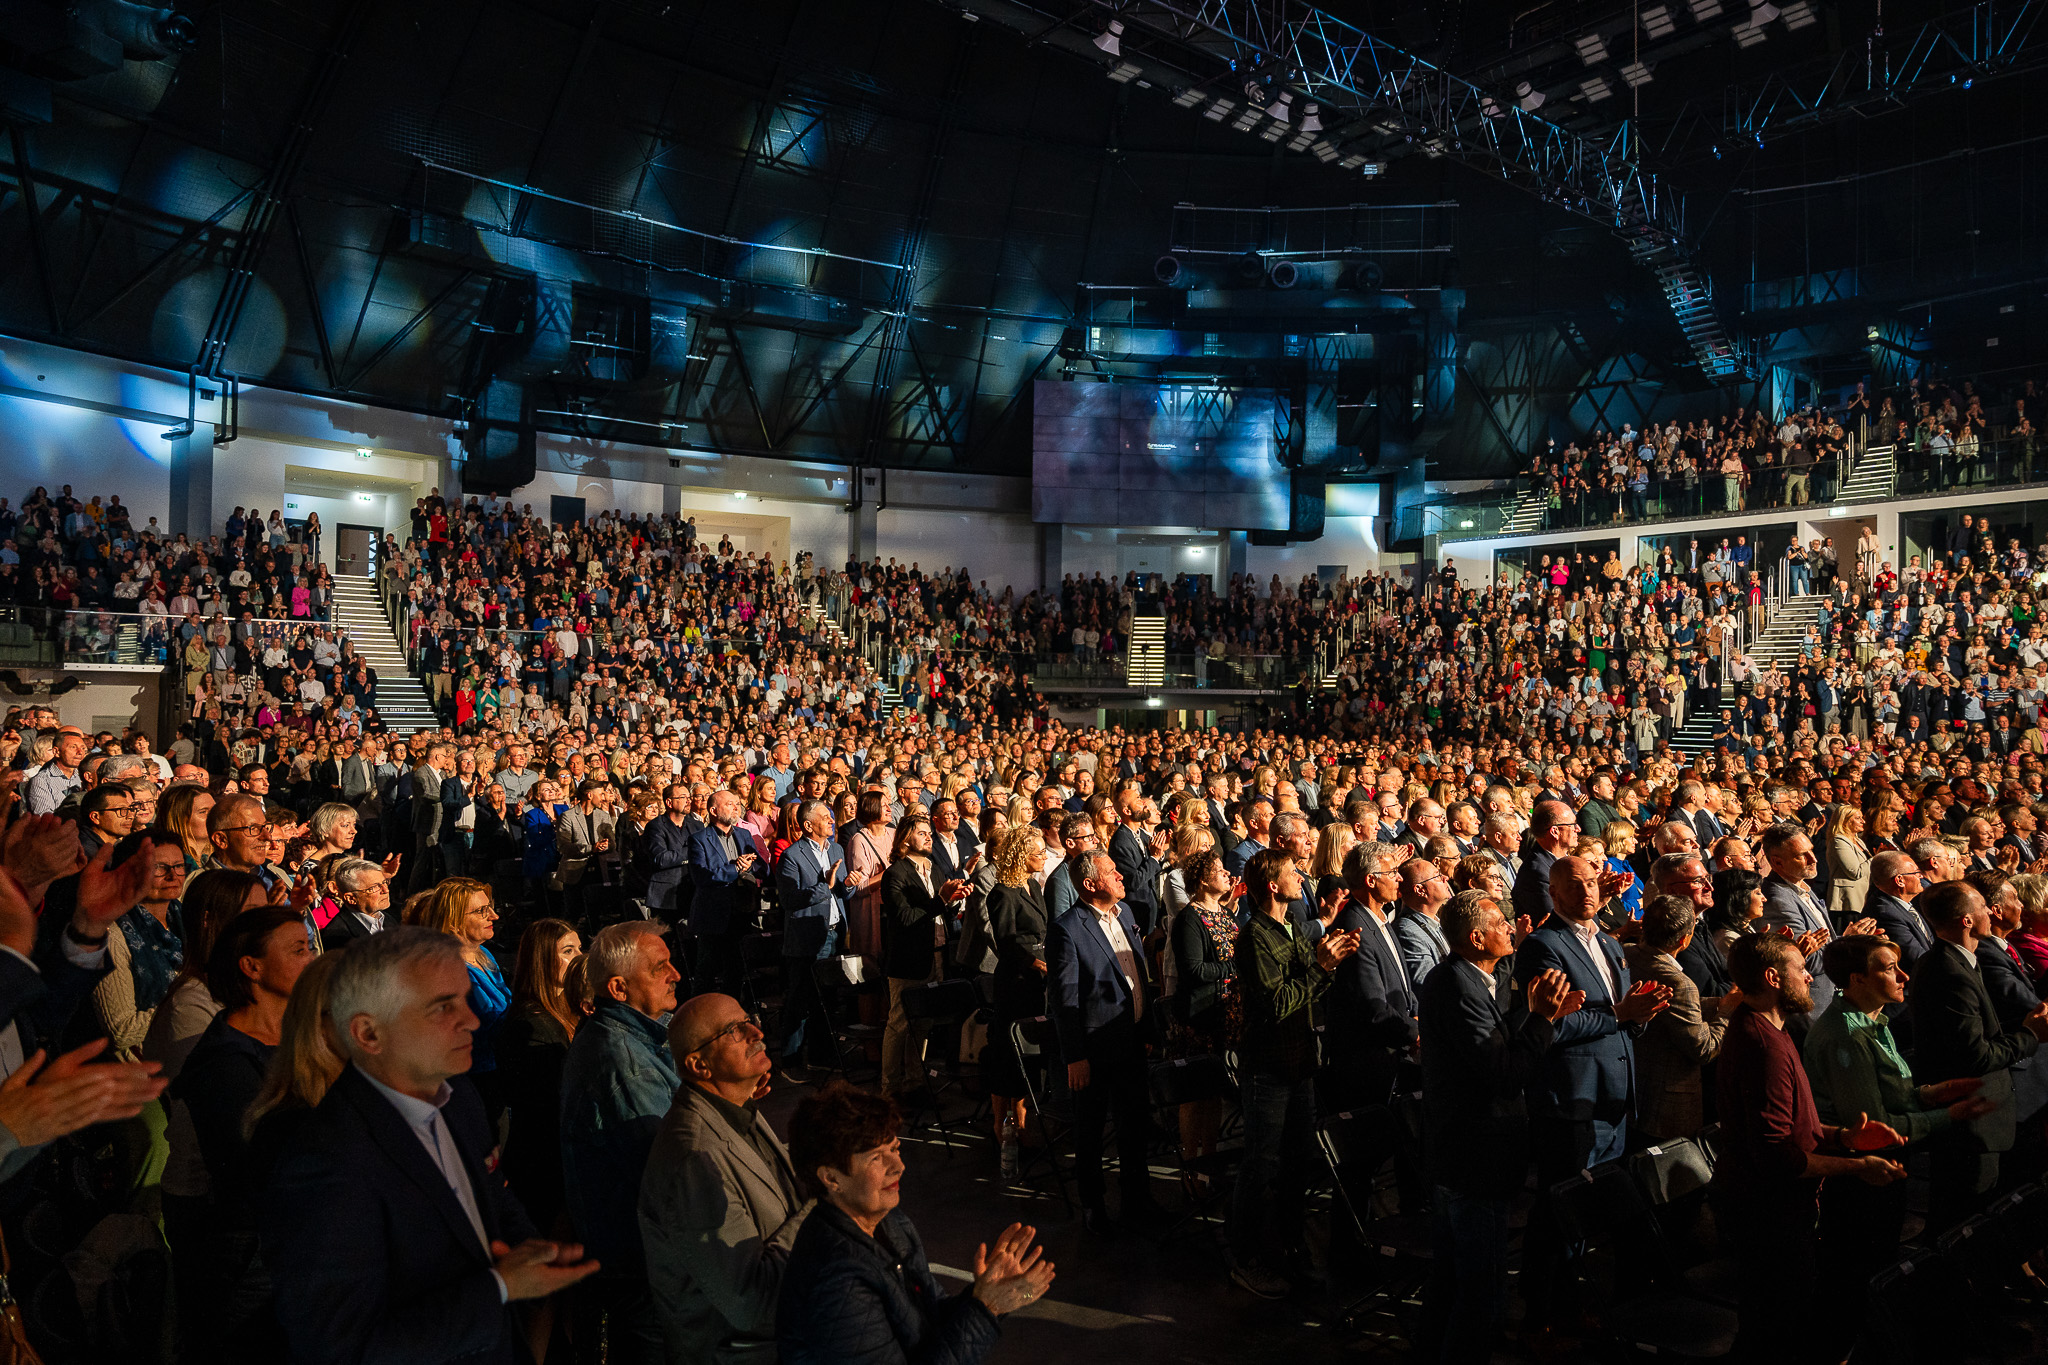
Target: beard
column 1796, row 999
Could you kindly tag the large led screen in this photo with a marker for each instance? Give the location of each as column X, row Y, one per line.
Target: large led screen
column 1157, row 455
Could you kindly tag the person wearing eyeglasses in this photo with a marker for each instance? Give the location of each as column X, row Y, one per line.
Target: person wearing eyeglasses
column 1424, row 890
column 145, row 951
column 365, row 895
column 719, row 1203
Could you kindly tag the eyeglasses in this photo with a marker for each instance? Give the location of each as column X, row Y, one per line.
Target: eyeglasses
column 245, row 829
column 751, row 1021
column 169, row 870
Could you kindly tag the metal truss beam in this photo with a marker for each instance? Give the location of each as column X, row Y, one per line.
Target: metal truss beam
column 1238, row 54
column 1882, row 73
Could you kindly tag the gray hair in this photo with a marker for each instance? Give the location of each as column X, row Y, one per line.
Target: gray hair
column 326, row 817
column 348, row 873
column 616, row 947
column 112, row 769
column 1284, row 823
column 371, row 975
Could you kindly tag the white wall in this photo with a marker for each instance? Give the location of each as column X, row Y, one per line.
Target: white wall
column 52, row 445
column 108, row 700
column 1349, row 541
column 1001, row 547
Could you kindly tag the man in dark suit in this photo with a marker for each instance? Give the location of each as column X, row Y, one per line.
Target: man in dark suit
column 2012, row 992
column 1789, row 904
column 1063, row 883
column 1479, row 1058
column 664, row 855
column 365, row 903
column 1956, row 1032
column 1098, row 999
column 426, row 815
column 386, row 1226
column 1135, row 848
column 1258, row 820
column 1579, row 1108
column 811, row 887
column 1895, row 880
column 726, row 870
column 953, row 844
column 1370, row 1026
column 1552, row 830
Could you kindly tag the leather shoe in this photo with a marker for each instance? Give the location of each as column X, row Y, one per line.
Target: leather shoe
column 1097, row 1221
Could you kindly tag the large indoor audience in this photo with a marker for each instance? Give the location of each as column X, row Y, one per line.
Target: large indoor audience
column 460, row 1045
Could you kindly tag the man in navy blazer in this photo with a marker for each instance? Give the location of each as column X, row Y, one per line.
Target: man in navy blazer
column 1097, row 998
column 1370, row 1025
column 2012, row 992
column 1578, row 1110
column 1895, row 880
column 726, row 869
column 387, row 1230
column 811, row 888
column 665, row 855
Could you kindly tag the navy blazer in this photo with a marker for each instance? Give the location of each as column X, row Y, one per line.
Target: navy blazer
column 1371, row 1011
column 1589, row 1070
column 1141, row 875
column 1531, row 892
column 665, row 851
column 720, row 895
column 368, row 1249
column 1087, row 994
column 810, row 887
column 2012, row 995
column 1903, row 925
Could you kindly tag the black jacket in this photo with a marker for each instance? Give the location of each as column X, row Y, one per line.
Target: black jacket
column 847, row 1296
column 1370, row 1011
column 1201, row 972
column 1018, row 919
column 219, row 1080
column 909, row 912
column 1479, row 1059
column 1955, row 1022
column 369, row 1248
column 531, row 1048
column 1141, row 876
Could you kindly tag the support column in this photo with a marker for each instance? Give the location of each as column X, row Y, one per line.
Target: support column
column 191, row 510
column 1240, row 541
column 861, row 536
column 1887, row 538
column 671, row 500
column 1051, row 547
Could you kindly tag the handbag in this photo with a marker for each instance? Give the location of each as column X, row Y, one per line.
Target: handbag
column 14, row 1343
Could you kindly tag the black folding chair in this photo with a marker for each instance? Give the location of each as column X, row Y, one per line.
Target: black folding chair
column 1400, row 1246
column 840, row 985
column 1046, row 1098
column 943, row 1007
column 1602, row 1207
column 760, row 958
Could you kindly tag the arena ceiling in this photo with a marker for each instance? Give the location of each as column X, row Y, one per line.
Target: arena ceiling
column 863, row 227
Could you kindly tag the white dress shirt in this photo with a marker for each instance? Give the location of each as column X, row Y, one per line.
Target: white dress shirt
column 1589, row 935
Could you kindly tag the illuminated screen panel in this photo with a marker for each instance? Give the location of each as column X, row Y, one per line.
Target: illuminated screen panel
column 1157, row 455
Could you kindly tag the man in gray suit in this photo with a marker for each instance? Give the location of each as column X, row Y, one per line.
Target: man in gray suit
column 426, row 814
column 719, row 1207
column 1790, row 904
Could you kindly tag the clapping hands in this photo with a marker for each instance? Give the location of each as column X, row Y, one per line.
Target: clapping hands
column 1012, row 1275
column 1645, row 1000
column 1551, row 996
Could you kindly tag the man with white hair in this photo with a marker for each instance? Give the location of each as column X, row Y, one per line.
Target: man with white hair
column 401, row 1143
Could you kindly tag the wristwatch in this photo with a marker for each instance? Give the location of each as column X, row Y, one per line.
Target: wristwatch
column 72, row 935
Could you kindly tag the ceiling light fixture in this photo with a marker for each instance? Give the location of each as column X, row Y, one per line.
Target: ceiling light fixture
column 1704, row 10
column 1109, row 40
column 1188, row 99
column 1311, row 117
column 1528, row 96
column 1596, row 89
column 1657, row 22
column 1799, row 15
column 1123, row 71
column 1636, row 74
column 1219, row 111
column 1592, row 49
column 1279, row 108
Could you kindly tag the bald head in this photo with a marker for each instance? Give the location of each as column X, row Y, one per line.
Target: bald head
column 1575, row 888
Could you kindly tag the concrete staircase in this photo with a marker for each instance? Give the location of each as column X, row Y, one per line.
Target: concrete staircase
column 1779, row 644
column 1526, row 515
column 892, row 700
column 401, row 698
column 1874, row 476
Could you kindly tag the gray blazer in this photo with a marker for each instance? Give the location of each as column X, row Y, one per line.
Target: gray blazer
column 717, row 1228
column 1785, row 908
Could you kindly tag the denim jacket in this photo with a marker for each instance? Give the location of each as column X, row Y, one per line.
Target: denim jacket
column 617, row 1083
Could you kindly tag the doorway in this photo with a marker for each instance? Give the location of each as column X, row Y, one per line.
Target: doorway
column 355, row 550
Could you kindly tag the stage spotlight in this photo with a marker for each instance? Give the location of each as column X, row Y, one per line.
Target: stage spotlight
column 1528, row 96
column 1110, row 39
column 1278, row 109
column 1636, row 74
column 1311, row 118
